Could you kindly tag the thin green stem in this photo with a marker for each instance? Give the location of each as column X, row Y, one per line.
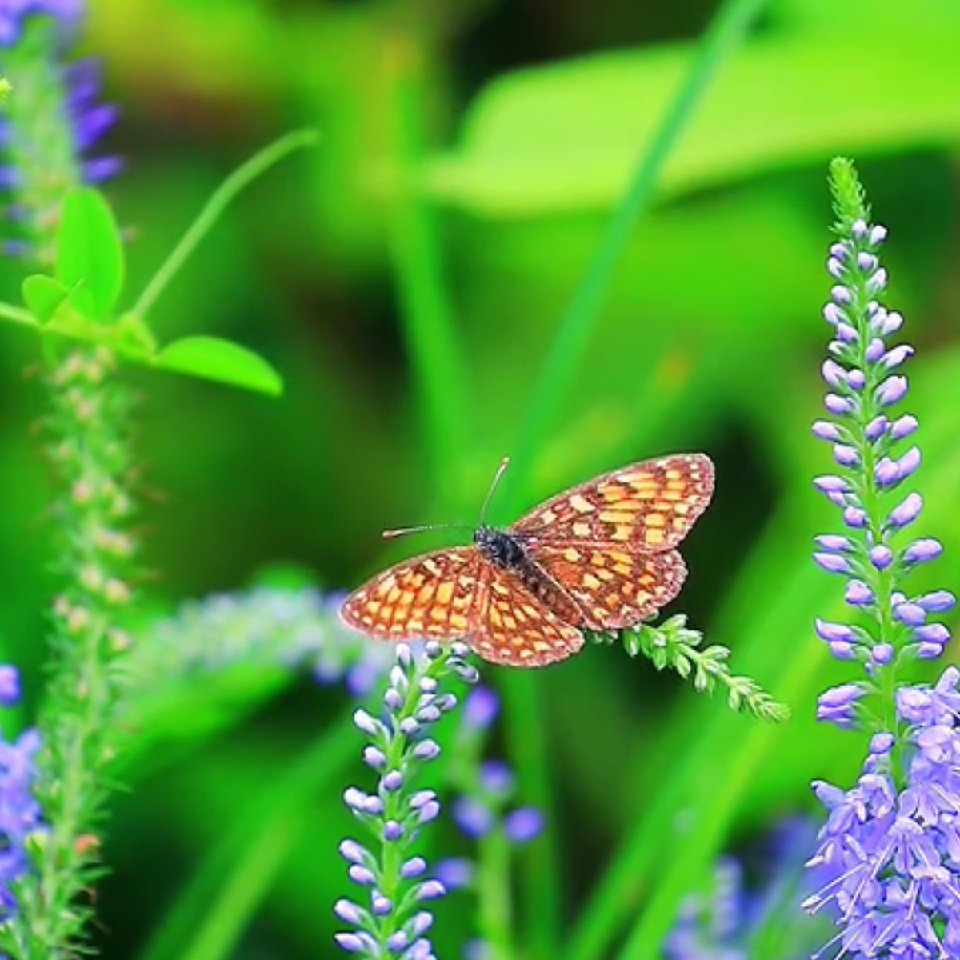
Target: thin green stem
column 494, row 895
column 721, row 41
column 435, row 352
column 18, row 315
column 221, row 198
column 210, row 913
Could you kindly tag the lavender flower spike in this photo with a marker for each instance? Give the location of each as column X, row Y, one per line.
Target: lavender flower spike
column 398, row 746
column 887, row 864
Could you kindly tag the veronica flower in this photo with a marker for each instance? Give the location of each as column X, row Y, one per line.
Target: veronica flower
column 292, row 627
column 51, row 123
column 19, row 811
column 393, row 918
column 888, row 858
column 736, row 920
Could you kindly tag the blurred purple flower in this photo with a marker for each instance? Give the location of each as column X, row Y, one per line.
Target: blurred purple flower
column 19, row 812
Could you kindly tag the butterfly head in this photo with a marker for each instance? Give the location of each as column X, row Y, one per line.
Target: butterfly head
column 499, row 547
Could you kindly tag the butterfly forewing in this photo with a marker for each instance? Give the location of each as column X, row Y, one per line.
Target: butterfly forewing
column 648, row 506
column 433, row 595
column 613, row 587
column 516, row 628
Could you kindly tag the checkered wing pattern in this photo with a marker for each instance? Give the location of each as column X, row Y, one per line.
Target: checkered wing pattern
column 612, row 586
column 514, row 627
column 648, row 506
column 433, row 595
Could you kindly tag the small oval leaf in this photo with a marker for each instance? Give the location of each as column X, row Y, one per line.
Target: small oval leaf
column 43, row 296
column 222, row 360
column 90, row 252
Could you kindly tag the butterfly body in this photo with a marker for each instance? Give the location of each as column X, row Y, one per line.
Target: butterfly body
column 599, row 556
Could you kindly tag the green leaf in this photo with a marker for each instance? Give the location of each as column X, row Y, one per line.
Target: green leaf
column 43, row 296
column 90, row 253
column 774, row 105
column 222, row 360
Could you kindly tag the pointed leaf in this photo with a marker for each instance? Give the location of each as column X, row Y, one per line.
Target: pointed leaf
column 90, row 253
column 43, row 296
column 221, row 360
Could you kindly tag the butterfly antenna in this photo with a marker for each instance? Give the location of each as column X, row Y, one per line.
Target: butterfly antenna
column 504, row 463
column 401, row 531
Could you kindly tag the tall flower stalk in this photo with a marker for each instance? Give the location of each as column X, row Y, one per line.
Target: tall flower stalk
column 887, row 864
column 52, row 122
column 393, row 918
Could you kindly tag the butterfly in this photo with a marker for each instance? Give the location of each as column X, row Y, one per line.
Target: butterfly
column 600, row 556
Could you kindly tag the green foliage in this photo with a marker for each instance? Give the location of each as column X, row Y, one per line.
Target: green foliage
column 221, row 360
column 89, row 254
column 672, row 646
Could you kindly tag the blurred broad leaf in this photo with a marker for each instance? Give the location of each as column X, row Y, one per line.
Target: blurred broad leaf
column 567, row 137
column 223, row 360
column 90, row 253
column 43, row 296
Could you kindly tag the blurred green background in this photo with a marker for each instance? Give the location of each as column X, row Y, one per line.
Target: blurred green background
column 471, row 155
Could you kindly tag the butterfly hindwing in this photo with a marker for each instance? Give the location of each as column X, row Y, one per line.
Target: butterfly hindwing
column 433, row 595
column 614, row 587
column 648, row 506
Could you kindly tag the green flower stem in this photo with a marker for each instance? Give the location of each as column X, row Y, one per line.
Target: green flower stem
column 494, row 895
column 221, row 198
column 87, row 447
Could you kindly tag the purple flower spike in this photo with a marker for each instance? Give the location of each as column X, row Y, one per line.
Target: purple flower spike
column 397, row 750
column 887, row 863
column 841, row 295
column 906, row 512
column 892, row 390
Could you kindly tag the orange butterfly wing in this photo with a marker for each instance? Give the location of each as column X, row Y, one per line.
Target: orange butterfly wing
column 433, row 595
column 648, row 506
